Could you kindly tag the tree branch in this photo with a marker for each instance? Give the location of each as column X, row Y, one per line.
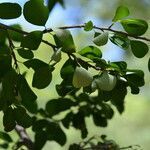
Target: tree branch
column 24, row 138
column 99, row 28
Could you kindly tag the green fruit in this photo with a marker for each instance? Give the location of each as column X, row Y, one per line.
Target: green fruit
column 56, row 56
column 64, row 39
column 81, row 77
column 101, row 39
column 106, row 81
column 135, row 27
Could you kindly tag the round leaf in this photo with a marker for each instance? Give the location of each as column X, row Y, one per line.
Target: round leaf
column 32, row 40
column 139, row 48
column 121, row 12
column 10, row 10
column 135, row 27
column 27, row 54
column 88, row 26
column 91, row 52
column 35, row 12
column 81, row 78
column 42, row 77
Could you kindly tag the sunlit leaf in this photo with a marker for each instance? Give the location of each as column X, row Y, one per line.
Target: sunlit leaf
column 91, row 52
column 88, row 26
column 139, row 48
column 121, row 12
column 135, row 27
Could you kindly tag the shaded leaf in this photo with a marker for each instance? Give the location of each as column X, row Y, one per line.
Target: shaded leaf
column 27, row 95
column 56, row 106
column 9, row 120
column 118, row 95
column 32, row 40
column 36, row 12
column 6, row 137
column 40, row 140
column 99, row 120
column 135, row 77
column 24, row 53
column 10, row 10
column 55, row 133
column 149, row 64
column 78, row 122
column 22, row 117
column 16, row 36
column 52, row 3
column 139, row 48
column 35, row 64
column 42, row 77
column 68, row 69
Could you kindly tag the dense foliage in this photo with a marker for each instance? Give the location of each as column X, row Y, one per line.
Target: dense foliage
column 90, row 86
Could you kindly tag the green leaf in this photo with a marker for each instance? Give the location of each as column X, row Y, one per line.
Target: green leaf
column 6, row 137
column 27, row 95
column 74, row 147
column 120, row 40
column 78, row 122
column 67, row 120
column 139, row 48
column 32, row 40
column 53, row 130
column 101, row 39
column 121, row 13
column 91, row 52
column 35, row 64
column 3, row 35
column 9, row 120
column 42, row 77
column 8, row 84
column 40, row 139
column 64, row 39
column 10, row 10
column 65, row 88
column 5, row 60
column 149, row 64
column 88, row 26
column 56, row 106
column 135, row 78
column 16, row 36
column 25, row 53
column 52, row 3
column 36, row 12
column 22, row 117
column 4, row 145
column 99, row 120
column 118, row 95
column 67, row 70
column 135, row 27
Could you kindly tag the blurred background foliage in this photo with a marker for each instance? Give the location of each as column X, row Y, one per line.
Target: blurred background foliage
column 133, row 126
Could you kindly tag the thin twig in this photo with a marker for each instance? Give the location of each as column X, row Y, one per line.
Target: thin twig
column 102, row 29
column 24, row 138
column 11, row 45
